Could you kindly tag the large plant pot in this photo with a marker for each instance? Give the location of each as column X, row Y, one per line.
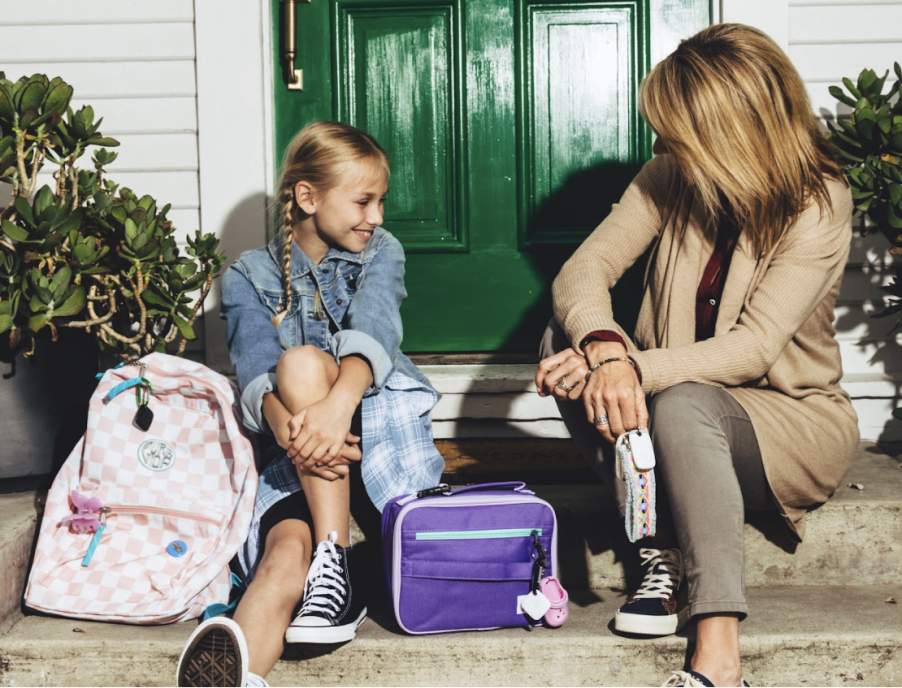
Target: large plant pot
column 44, row 402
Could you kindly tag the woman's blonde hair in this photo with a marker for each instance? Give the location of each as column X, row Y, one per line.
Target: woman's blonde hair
column 733, row 111
column 318, row 154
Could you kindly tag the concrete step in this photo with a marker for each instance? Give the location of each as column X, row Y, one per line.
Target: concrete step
column 795, row 636
column 853, row 539
column 18, row 516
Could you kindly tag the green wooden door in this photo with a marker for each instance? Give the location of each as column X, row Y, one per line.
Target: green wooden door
column 511, row 126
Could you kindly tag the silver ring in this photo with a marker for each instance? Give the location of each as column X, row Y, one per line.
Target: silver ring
column 564, row 386
column 601, row 420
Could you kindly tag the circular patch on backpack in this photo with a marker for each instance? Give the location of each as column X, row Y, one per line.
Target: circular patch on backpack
column 176, row 548
column 156, row 455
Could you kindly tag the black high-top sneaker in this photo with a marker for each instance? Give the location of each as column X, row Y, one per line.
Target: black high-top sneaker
column 333, row 606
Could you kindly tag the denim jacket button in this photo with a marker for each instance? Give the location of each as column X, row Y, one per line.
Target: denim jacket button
column 338, row 301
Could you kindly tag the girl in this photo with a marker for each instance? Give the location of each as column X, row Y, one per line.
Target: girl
column 313, row 327
column 749, row 220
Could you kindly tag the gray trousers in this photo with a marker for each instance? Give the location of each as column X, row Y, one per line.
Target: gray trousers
column 709, row 465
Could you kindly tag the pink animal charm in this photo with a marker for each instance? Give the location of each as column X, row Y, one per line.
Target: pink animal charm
column 86, row 517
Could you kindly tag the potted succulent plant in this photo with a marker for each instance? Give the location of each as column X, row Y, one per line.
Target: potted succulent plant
column 82, row 254
column 870, row 143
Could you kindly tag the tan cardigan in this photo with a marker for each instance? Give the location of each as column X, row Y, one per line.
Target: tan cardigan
column 774, row 348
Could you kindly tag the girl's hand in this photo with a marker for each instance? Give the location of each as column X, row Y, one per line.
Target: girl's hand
column 319, row 434
column 566, row 365
column 613, row 393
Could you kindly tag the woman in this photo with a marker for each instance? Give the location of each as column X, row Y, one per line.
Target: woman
column 749, row 223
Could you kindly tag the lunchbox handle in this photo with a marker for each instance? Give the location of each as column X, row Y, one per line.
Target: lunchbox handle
column 445, row 489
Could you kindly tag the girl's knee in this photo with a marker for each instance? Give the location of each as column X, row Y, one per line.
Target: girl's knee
column 305, row 365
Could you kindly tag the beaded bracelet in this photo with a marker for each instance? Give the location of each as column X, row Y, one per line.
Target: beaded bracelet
column 610, row 360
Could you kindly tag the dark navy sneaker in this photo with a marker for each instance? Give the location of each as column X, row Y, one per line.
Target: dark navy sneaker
column 333, row 606
column 652, row 610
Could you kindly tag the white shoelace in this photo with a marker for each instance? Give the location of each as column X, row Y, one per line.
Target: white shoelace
column 660, row 584
column 325, row 584
column 682, row 678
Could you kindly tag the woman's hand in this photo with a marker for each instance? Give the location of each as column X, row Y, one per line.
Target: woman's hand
column 567, row 366
column 613, row 393
column 319, row 436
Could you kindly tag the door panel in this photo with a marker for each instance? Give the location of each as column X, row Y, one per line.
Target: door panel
column 398, row 80
column 580, row 66
column 511, row 126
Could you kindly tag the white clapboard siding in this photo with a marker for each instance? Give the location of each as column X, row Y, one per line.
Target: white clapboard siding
column 94, row 81
column 105, row 43
column 164, row 115
column 47, row 12
column 830, row 62
column 155, row 152
column 845, row 23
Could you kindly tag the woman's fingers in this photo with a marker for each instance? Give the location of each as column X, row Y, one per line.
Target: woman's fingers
column 596, row 411
column 641, row 409
column 546, row 365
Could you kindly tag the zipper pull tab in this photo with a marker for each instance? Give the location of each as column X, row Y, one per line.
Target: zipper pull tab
column 441, row 488
column 96, row 539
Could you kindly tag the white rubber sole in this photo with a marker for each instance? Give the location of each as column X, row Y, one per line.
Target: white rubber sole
column 325, row 635
column 643, row 624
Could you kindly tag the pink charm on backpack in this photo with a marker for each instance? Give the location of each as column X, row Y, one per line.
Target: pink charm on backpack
column 86, row 517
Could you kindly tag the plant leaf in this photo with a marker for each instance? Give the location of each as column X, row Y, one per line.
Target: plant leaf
column 43, row 199
column 24, row 210
column 32, row 95
column 840, row 95
column 58, row 98
column 13, row 232
column 184, row 328
column 74, row 305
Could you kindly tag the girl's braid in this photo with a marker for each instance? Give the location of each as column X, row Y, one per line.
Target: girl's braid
column 287, row 225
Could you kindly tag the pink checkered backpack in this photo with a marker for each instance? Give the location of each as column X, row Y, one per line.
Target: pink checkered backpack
column 152, row 503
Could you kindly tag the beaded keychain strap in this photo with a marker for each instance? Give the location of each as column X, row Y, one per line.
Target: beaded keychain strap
column 639, row 475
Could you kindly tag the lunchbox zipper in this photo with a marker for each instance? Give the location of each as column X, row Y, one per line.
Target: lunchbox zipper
column 477, row 534
column 475, row 500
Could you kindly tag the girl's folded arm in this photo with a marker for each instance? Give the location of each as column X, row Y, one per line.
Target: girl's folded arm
column 372, row 325
column 254, row 344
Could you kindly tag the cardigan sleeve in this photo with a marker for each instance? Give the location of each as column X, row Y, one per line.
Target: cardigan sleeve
column 581, row 291
column 807, row 264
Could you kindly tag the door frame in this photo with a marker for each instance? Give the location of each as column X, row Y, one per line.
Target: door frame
column 238, row 51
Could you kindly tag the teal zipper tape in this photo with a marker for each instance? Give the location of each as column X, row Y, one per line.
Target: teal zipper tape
column 478, row 534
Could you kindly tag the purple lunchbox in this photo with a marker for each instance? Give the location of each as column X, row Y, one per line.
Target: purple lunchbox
column 458, row 560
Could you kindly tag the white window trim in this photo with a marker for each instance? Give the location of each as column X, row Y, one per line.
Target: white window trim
column 235, row 136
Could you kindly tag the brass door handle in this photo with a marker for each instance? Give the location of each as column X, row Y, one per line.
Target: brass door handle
column 294, row 77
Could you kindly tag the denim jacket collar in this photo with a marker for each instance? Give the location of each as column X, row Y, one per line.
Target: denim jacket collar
column 301, row 264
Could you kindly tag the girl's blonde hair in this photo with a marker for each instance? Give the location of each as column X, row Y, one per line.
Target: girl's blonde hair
column 318, row 155
column 733, row 111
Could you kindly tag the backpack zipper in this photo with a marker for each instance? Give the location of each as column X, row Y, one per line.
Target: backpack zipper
column 137, row 509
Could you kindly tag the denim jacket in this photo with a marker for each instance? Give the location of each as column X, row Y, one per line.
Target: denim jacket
column 361, row 294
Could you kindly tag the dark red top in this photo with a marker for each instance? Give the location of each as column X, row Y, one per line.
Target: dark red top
column 707, row 299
